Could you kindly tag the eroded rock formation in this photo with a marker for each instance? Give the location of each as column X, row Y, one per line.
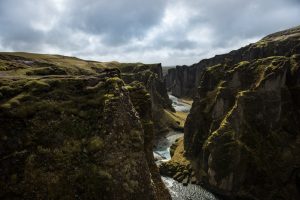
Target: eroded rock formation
column 72, row 129
column 151, row 77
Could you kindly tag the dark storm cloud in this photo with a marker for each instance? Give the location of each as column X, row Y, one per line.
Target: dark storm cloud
column 116, row 21
column 168, row 31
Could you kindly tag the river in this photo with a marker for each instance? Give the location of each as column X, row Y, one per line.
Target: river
column 162, row 154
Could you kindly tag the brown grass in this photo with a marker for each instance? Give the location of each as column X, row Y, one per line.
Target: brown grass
column 177, row 116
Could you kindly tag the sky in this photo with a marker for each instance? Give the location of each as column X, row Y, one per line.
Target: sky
column 171, row 32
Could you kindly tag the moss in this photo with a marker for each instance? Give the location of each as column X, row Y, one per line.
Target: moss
column 7, row 90
column 240, row 66
column 37, row 86
column 215, row 67
column 211, row 96
column 95, row 144
column 261, row 44
column 104, row 175
column 136, row 139
column 72, row 146
column 177, row 117
column 129, row 88
column 6, row 106
column 15, row 101
column 132, row 67
column 3, row 68
column 295, row 59
column 109, row 96
column 114, row 80
column 96, row 88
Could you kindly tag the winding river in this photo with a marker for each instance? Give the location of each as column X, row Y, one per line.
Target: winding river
column 162, row 154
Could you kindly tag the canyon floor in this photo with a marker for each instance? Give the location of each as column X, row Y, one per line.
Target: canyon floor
column 161, row 151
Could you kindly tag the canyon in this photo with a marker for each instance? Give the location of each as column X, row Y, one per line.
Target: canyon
column 80, row 129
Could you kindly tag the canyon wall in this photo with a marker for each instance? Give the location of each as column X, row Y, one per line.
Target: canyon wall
column 73, row 129
column 242, row 135
column 183, row 81
column 241, row 138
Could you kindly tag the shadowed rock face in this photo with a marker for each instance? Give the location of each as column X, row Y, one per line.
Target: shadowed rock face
column 242, row 135
column 72, row 129
column 151, row 77
column 183, row 81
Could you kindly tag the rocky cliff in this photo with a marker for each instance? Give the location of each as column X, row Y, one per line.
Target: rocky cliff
column 242, row 135
column 152, row 78
column 72, row 129
column 183, row 81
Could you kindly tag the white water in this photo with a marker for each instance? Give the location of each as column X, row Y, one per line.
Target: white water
column 162, row 151
column 162, row 154
column 189, row 192
column 179, row 105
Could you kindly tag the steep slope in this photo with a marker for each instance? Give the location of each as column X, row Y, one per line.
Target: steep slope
column 152, row 78
column 72, row 129
column 182, row 81
column 242, row 134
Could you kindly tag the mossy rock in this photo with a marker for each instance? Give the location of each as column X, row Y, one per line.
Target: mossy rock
column 70, row 129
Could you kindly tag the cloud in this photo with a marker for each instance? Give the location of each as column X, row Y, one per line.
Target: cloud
column 116, row 21
column 168, row 31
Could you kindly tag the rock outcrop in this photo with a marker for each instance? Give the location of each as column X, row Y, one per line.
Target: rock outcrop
column 242, row 135
column 72, row 129
column 179, row 168
column 152, row 78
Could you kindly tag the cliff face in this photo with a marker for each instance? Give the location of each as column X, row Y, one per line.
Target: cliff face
column 183, row 81
column 72, row 129
column 151, row 77
column 242, row 135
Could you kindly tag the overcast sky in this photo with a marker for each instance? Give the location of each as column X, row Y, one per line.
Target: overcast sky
column 172, row 32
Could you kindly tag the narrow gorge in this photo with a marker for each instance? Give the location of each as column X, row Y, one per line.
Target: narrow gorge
column 241, row 136
column 224, row 128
